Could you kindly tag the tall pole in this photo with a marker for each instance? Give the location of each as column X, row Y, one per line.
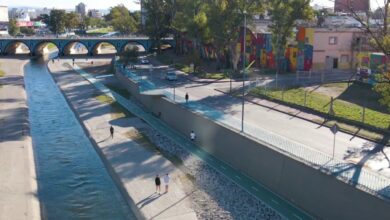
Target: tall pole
column 243, row 74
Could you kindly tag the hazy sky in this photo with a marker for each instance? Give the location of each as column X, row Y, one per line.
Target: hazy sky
column 105, row 4
column 70, row 4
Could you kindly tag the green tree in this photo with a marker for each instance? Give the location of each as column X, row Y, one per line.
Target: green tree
column 27, row 31
column 13, row 28
column 45, row 18
column 159, row 19
column 72, row 20
column 224, row 21
column 129, row 55
column 121, row 20
column 380, row 41
column 284, row 15
column 57, row 21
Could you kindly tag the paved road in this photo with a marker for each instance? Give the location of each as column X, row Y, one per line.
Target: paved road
column 313, row 136
column 18, row 183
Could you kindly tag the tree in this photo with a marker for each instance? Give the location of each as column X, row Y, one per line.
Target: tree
column 284, row 15
column 121, row 20
column 224, row 21
column 27, row 31
column 380, row 40
column 129, row 55
column 13, row 28
column 159, row 19
column 45, row 18
column 57, row 21
column 72, row 20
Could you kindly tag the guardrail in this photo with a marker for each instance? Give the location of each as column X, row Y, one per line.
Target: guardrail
column 352, row 174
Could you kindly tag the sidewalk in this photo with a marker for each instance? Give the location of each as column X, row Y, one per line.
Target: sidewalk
column 18, row 181
column 130, row 164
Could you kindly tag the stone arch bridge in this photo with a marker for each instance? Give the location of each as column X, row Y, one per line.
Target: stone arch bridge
column 36, row 45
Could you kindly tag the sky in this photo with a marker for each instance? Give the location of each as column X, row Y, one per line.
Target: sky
column 106, row 4
column 70, row 4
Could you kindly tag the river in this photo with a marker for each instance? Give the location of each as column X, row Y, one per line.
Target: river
column 73, row 181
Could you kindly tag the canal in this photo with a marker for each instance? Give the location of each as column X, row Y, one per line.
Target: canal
column 73, row 181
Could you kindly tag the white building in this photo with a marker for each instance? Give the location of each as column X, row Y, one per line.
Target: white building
column 4, row 20
column 94, row 13
column 81, row 9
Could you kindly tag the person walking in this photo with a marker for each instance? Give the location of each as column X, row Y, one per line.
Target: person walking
column 186, row 97
column 166, row 182
column 112, row 132
column 157, row 181
column 192, row 136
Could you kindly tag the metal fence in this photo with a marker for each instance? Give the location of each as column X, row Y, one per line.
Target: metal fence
column 353, row 174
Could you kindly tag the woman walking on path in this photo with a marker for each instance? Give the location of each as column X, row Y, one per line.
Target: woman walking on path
column 158, row 183
column 166, row 182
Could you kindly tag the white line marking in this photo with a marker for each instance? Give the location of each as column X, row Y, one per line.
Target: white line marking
column 238, row 177
column 223, row 167
column 254, row 188
column 297, row 216
column 274, row 201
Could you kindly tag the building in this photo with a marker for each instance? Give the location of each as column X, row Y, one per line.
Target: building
column 347, row 5
column 94, row 13
column 4, row 20
column 338, row 49
column 81, row 9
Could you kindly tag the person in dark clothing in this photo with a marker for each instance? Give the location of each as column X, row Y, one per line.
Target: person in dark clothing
column 112, row 132
column 186, row 97
column 157, row 181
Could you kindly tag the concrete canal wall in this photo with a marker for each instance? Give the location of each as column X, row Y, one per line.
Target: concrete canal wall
column 321, row 195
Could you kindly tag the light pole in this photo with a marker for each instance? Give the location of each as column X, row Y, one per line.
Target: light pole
column 243, row 74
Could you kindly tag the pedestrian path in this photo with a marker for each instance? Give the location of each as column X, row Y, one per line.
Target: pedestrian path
column 18, row 181
column 132, row 166
column 279, row 204
column 356, row 175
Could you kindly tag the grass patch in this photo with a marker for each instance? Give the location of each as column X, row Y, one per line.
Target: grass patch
column 321, row 103
column 101, row 31
column 2, row 73
column 117, row 110
column 51, row 46
column 182, row 63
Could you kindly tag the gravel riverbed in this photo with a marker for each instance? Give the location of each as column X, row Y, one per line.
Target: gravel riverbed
column 212, row 194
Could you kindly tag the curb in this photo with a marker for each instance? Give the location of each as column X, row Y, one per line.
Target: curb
column 303, row 118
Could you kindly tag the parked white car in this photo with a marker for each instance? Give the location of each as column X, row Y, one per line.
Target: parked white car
column 170, row 76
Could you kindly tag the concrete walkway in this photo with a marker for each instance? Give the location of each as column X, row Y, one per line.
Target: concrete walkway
column 18, row 183
column 132, row 165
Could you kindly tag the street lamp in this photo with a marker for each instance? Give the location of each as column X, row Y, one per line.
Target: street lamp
column 243, row 73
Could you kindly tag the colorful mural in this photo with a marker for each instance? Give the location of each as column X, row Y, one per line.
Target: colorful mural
column 297, row 57
column 373, row 61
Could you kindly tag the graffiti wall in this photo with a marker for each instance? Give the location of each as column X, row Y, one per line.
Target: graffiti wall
column 298, row 56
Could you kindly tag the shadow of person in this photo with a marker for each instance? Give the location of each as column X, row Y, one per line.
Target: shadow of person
column 107, row 138
column 148, row 200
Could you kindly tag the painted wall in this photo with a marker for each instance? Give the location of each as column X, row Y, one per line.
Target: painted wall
column 322, row 195
column 341, row 51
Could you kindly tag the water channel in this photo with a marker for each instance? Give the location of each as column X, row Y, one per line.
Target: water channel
column 73, row 182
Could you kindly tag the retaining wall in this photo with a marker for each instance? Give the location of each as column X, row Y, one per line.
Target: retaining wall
column 320, row 194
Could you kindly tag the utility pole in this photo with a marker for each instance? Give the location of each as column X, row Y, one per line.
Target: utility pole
column 243, row 74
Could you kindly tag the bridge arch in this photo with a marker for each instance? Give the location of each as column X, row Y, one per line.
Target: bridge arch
column 130, row 44
column 44, row 47
column 104, row 47
column 75, row 47
column 16, row 47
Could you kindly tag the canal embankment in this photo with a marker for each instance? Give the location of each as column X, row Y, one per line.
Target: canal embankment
column 18, row 181
column 133, row 166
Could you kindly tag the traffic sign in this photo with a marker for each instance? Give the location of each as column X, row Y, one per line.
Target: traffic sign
column 334, row 129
